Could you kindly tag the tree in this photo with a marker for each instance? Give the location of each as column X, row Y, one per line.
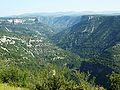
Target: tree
column 114, row 80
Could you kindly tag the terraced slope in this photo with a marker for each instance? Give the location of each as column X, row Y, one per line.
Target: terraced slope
column 25, row 47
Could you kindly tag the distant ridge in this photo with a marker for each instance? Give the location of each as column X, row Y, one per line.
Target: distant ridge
column 72, row 13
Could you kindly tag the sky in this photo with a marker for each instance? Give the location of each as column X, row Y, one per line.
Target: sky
column 15, row 7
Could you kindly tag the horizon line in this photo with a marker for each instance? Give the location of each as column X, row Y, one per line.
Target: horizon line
column 53, row 12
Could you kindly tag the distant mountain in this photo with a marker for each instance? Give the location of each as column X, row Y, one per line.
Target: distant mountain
column 71, row 13
column 55, row 14
column 56, row 23
column 59, row 23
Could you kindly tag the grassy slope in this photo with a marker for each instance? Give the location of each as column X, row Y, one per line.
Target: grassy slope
column 7, row 87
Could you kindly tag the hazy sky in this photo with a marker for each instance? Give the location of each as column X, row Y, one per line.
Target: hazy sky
column 13, row 7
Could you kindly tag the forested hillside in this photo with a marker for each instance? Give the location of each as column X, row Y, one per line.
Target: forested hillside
column 60, row 52
column 97, row 38
column 92, row 37
column 29, row 59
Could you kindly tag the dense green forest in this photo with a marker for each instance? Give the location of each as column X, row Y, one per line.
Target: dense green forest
column 49, row 77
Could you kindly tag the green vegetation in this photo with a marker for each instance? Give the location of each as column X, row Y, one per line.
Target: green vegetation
column 13, row 76
column 48, row 78
column 7, row 87
column 90, row 52
column 96, row 38
column 114, row 81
